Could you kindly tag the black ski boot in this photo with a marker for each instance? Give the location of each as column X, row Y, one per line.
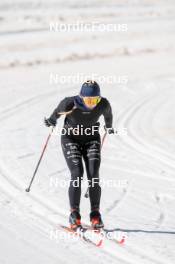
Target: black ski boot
column 75, row 220
column 96, row 221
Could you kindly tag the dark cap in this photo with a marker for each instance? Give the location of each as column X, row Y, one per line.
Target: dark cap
column 90, row 89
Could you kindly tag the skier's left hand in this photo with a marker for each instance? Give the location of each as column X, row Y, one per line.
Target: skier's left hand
column 110, row 130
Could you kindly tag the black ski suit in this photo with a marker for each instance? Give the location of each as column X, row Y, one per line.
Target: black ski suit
column 86, row 146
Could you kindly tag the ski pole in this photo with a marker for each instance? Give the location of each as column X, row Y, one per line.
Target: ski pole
column 45, row 146
column 42, row 154
column 103, row 140
column 102, row 143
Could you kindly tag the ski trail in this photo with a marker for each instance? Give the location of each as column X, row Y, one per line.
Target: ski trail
column 161, row 206
column 135, row 141
column 116, row 202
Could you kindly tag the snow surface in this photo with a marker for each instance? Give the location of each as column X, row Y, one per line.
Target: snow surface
column 143, row 160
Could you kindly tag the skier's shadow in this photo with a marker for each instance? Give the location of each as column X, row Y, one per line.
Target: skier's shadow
column 140, row 231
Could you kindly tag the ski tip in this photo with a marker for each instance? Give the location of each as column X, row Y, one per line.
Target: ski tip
column 122, row 241
column 100, row 243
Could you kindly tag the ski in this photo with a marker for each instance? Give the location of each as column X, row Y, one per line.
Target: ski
column 101, row 234
column 81, row 233
column 106, row 234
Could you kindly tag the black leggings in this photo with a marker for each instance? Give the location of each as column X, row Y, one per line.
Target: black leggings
column 88, row 149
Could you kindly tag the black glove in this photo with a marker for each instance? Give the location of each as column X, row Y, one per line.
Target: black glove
column 49, row 122
column 110, row 130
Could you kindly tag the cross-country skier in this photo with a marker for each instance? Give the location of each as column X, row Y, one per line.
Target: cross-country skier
column 83, row 112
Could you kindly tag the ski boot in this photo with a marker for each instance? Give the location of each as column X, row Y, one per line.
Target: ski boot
column 75, row 220
column 95, row 219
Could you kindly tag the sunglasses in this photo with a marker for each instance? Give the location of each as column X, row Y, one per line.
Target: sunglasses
column 91, row 101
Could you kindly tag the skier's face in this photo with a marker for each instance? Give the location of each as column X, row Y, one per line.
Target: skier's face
column 91, row 102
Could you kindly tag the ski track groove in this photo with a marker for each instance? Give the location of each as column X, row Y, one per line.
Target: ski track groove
column 162, row 214
column 9, row 111
column 135, row 142
column 118, row 201
column 132, row 137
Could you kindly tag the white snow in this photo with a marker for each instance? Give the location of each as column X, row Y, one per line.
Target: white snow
column 142, row 162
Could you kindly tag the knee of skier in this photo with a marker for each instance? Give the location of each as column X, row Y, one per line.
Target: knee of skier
column 94, row 181
column 93, row 173
column 77, row 173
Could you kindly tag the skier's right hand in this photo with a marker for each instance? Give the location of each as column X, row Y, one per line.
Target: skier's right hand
column 49, row 122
